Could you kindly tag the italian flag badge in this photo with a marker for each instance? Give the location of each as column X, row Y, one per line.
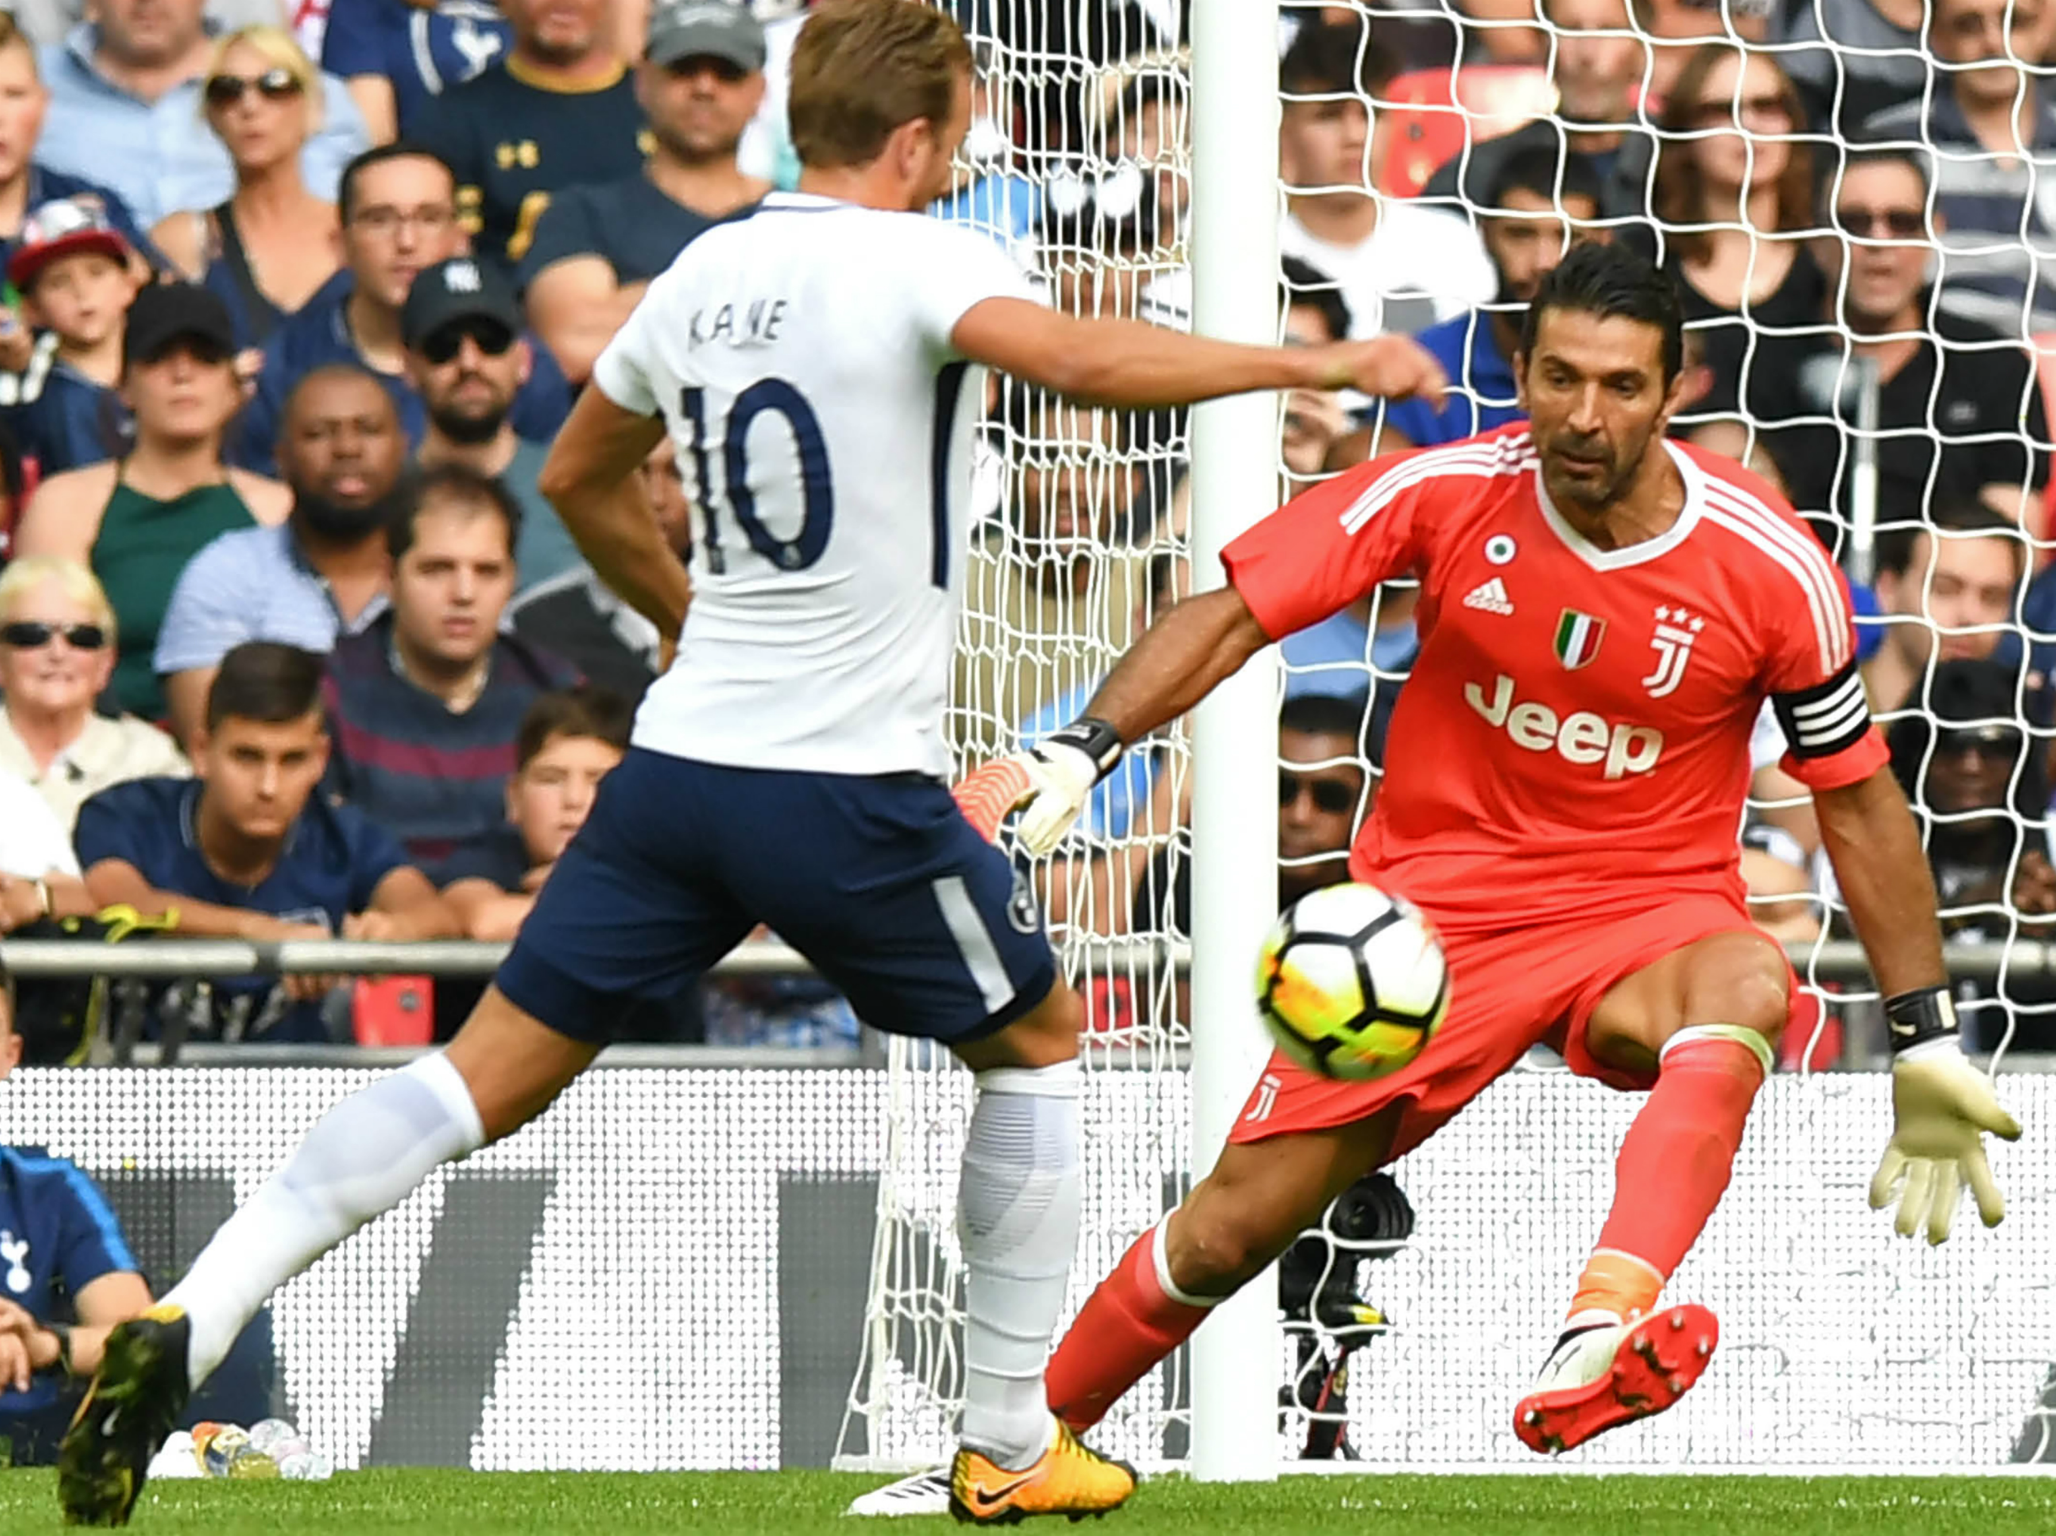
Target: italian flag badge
column 1577, row 638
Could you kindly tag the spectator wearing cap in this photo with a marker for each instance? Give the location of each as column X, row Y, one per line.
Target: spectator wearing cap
column 76, row 281
column 398, row 209
column 596, row 249
column 250, row 850
column 26, row 184
column 466, row 357
column 320, row 574
column 586, row 621
column 397, row 56
column 427, row 703
column 57, row 633
column 270, row 247
column 125, row 103
column 558, row 112
column 136, row 521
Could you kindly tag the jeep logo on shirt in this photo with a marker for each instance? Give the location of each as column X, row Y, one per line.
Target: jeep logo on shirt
column 1582, row 738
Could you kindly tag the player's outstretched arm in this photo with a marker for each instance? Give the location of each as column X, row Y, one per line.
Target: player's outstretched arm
column 590, row 478
column 1941, row 1104
column 1128, row 363
column 1176, row 663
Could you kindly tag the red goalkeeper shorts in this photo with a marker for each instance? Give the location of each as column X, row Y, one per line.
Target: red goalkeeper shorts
column 1510, row 989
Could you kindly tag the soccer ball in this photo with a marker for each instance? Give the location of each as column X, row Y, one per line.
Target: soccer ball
column 1352, row 982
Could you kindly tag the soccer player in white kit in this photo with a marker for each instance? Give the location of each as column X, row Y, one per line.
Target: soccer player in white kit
column 815, row 363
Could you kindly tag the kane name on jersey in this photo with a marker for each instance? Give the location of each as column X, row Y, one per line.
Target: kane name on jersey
column 1577, row 723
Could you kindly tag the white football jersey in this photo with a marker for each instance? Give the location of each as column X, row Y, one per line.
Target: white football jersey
column 801, row 358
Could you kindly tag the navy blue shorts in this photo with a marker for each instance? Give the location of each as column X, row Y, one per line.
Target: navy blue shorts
column 924, row 926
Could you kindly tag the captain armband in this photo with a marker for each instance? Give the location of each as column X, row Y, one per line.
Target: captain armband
column 1828, row 718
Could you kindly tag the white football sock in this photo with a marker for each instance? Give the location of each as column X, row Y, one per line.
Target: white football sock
column 360, row 1160
column 1017, row 1218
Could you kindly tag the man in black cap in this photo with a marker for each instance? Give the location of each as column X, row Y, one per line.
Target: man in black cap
column 466, row 356
column 595, row 251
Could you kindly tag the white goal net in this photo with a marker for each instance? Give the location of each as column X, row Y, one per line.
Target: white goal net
column 1855, row 338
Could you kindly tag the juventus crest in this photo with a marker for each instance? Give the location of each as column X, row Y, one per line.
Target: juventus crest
column 1676, row 629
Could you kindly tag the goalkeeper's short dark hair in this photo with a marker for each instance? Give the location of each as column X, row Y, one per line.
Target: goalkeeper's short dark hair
column 1611, row 282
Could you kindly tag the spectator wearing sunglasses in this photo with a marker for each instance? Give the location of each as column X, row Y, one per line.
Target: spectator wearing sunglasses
column 398, row 206
column 56, row 658
column 125, row 108
column 466, row 357
column 76, row 282
column 136, row 521
column 1959, row 410
column 1325, row 742
column 558, row 112
column 271, row 246
column 596, row 249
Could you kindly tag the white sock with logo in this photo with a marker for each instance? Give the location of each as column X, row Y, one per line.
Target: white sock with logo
column 1017, row 1219
column 361, row 1159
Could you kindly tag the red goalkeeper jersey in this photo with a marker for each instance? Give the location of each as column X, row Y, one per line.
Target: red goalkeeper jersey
column 1575, row 734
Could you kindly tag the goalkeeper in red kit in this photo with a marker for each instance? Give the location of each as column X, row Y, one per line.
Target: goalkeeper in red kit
column 1602, row 613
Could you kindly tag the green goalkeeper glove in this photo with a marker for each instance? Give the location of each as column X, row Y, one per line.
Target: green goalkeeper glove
column 1941, row 1108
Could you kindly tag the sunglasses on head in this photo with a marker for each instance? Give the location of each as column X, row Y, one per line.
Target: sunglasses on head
column 1881, row 223
column 1330, row 797
column 275, row 84
column 441, row 345
column 29, row 635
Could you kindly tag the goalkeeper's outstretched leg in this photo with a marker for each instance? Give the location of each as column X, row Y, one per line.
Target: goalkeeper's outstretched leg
column 1693, row 1021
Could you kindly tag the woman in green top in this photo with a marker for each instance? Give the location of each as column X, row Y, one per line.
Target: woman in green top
column 137, row 521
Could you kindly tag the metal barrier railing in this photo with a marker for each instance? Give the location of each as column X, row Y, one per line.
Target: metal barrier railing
column 170, row 958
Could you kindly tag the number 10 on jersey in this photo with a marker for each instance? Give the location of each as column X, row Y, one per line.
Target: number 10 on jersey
column 817, row 492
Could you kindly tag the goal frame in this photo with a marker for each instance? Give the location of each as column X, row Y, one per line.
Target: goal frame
column 1234, row 253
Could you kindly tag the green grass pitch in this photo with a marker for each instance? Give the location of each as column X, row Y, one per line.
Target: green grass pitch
column 432, row 1503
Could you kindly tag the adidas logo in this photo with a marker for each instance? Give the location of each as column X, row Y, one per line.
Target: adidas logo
column 1491, row 597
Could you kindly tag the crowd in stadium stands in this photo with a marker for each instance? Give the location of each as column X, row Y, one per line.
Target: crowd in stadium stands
column 297, row 294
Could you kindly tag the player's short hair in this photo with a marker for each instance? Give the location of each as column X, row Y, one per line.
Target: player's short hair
column 445, row 484
column 861, row 68
column 1307, row 286
column 263, row 681
column 1612, row 282
column 379, row 154
column 587, row 710
column 1335, row 60
column 1897, row 543
column 1547, row 172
